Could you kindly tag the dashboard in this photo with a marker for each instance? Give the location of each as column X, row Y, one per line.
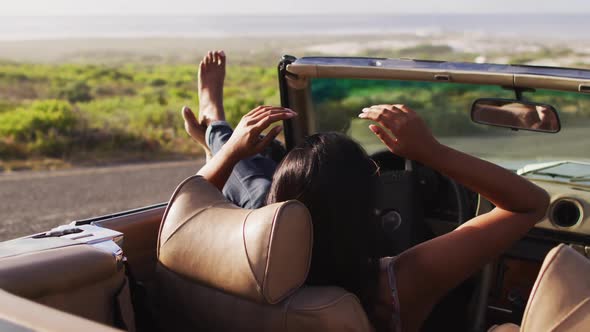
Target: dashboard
column 569, row 210
column 503, row 286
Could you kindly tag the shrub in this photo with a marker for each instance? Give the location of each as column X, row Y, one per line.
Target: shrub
column 75, row 92
column 25, row 124
column 158, row 82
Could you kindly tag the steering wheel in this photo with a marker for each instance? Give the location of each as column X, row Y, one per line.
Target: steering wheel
column 407, row 193
column 411, row 203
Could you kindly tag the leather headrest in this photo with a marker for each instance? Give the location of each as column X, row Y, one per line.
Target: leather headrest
column 262, row 255
column 560, row 298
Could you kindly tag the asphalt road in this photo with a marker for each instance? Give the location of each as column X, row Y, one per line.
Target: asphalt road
column 32, row 202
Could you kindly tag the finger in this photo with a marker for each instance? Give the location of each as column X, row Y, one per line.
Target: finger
column 260, row 109
column 382, row 108
column 384, row 117
column 403, row 108
column 267, row 108
column 267, row 121
column 255, row 110
column 389, row 141
column 271, row 111
column 272, row 134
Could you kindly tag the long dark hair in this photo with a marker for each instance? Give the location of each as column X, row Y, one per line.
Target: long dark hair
column 333, row 176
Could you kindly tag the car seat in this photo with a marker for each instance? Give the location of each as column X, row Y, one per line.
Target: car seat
column 560, row 298
column 224, row 268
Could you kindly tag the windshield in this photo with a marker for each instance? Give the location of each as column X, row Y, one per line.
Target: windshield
column 446, row 108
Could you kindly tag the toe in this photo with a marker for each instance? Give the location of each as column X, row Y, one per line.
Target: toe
column 222, row 57
column 188, row 115
column 217, row 58
column 185, row 113
column 209, row 57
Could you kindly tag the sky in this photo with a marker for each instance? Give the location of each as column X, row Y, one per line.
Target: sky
column 269, row 7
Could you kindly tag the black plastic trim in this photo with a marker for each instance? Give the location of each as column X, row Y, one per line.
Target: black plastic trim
column 282, row 72
column 119, row 214
column 559, row 236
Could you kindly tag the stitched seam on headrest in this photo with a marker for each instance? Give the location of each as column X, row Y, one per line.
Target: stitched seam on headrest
column 532, row 296
column 569, row 314
column 310, row 244
column 258, row 284
column 268, row 250
column 309, row 251
column 174, row 194
column 181, row 224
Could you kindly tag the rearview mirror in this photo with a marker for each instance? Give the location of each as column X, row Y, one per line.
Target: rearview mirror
column 515, row 114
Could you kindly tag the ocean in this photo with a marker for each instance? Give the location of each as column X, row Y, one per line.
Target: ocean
column 545, row 26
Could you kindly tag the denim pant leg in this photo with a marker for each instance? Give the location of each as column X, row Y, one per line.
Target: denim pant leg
column 250, row 180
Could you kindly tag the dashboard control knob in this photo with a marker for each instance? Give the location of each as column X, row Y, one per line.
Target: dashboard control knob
column 391, row 221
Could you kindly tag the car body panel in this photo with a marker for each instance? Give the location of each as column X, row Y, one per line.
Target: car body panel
column 567, row 79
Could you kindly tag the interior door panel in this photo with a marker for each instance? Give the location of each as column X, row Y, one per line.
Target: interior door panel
column 79, row 279
column 141, row 237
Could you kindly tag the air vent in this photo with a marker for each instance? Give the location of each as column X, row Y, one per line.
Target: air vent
column 566, row 213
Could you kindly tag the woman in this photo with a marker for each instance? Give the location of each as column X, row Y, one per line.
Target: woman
column 334, row 178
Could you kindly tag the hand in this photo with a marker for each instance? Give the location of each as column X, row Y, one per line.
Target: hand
column 413, row 140
column 548, row 119
column 246, row 141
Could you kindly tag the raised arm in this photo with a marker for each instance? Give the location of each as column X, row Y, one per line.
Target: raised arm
column 244, row 142
column 429, row 270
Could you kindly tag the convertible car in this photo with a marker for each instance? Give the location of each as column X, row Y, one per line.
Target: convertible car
column 198, row 263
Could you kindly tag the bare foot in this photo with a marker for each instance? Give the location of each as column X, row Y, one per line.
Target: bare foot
column 195, row 130
column 211, row 77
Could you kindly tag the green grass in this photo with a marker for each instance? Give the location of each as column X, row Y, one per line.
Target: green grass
column 88, row 113
column 85, row 113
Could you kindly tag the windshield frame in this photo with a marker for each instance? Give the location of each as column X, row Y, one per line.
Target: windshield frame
column 513, row 76
column 295, row 77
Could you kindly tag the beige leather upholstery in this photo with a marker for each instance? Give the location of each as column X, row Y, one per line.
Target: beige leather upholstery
column 508, row 327
column 225, row 268
column 80, row 279
column 243, row 252
column 18, row 314
column 560, row 299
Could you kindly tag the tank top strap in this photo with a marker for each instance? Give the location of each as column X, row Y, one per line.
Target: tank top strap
column 387, row 264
